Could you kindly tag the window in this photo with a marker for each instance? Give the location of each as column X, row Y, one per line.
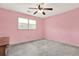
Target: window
column 24, row 23
column 32, row 24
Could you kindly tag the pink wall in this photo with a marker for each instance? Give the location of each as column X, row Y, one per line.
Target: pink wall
column 63, row 27
column 8, row 27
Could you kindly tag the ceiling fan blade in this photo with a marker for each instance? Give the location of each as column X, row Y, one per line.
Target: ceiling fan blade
column 33, row 8
column 48, row 9
column 35, row 12
column 43, row 13
column 38, row 6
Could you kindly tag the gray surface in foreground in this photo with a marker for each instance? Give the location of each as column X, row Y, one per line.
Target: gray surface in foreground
column 43, row 48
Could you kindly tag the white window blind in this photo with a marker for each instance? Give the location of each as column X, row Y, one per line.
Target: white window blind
column 32, row 24
column 24, row 23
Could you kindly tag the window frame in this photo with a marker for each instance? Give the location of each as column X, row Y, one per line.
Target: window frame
column 27, row 24
column 19, row 23
column 35, row 24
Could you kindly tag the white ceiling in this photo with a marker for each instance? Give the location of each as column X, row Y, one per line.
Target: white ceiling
column 23, row 8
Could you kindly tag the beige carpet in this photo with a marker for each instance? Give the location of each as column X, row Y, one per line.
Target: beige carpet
column 43, row 48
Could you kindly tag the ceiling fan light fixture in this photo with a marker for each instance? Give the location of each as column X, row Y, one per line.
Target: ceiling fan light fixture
column 40, row 11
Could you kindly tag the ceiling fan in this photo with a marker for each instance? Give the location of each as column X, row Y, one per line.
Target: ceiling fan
column 41, row 9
